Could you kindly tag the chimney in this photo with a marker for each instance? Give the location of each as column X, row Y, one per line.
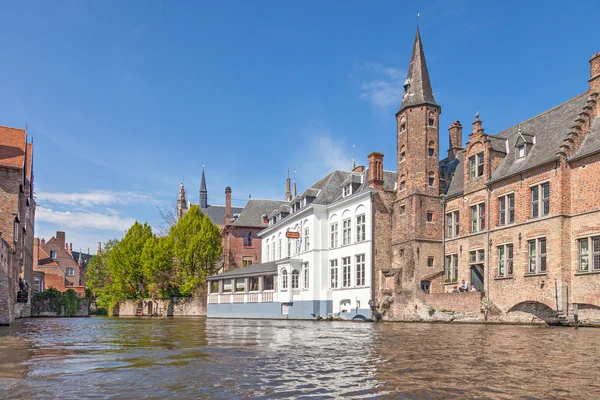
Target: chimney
column 36, row 251
column 288, row 187
column 227, row 205
column 70, row 247
column 595, row 80
column 455, row 132
column 60, row 238
column 99, row 250
column 360, row 169
column 43, row 242
column 376, row 170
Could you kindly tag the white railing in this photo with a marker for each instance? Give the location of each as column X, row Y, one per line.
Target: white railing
column 252, row 297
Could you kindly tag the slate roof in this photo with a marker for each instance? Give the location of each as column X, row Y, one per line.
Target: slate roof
column 419, row 90
column 549, row 129
column 217, row 213
column 591, row 143
column 251, row 215
column 85, row 258
column 268, row 268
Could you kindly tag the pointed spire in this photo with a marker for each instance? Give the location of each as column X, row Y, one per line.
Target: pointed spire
column 417, row 86
column 80, row 261
column 288, row 190
column 353, row 162
column 203, row 191
column 295, row 193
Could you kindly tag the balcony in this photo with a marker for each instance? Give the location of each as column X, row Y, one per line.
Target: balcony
column 240, row 298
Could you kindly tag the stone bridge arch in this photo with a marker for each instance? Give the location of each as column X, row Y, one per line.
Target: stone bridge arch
column 532, row 311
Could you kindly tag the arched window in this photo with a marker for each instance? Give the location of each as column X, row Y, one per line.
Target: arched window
column 403, row 124
column 402, row 183
column 403, row 153
column 431, row 179
column 267, row 253
column 284, row 279
column 431, row 149
column 295, row 279
column 431, row 120
column 279, row 242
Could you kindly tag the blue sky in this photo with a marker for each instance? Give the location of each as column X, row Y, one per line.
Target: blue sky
column 124, row 99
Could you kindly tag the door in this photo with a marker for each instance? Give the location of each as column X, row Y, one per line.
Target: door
column 150, row 308
column 477, row 277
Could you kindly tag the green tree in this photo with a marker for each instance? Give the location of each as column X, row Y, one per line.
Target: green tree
column 196, row 247
column 158, row 268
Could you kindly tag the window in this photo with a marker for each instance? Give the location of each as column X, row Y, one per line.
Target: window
column 476, row 259
column 402, row 153
column 227, row 286
column 253, row 284
column 476, row 164
column 429, row 217
column 246, row 261
column 333, row 235
column 53, row 254
column 540, row 200
column 16, row 232
column 431, row 149
column 478, row 218
column 360, row 228
column 279, row 247
column 537, row 256
column 402, row 184
column 284, row 279
column 403, row 123
column 584, row 254
column 67, row 283
column 402, row 209
column 506, row 209
column 268, row 283
column 37, row 285
column 346, row 272
column 273, row 251
column 521, row 151
column 295, row 279
column 452, row 268
column 306, row 277
column 214, row 286
column 267, row 254
column 452, row 222
column 333, row 274
column 431, row 120
column 347, row 190
column 247, row 239
column 346, row 231
column 425, row 285
column 505, row 260
column 430, row 260
column 360, row 270
column 70, row 272
column 306, row 239
column 431, row 179
column 240, row 285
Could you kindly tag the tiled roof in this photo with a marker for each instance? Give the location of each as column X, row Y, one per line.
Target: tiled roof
column 419, row 89
column 217, row 213
column 12, row 148
column 458, row 181
column 252, row 214
column 251, row 270
column 44, row 259
column 591, row 143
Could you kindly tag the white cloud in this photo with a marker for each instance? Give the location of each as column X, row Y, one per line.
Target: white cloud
column 88, row 220
column 93, row 198
column 378, row 84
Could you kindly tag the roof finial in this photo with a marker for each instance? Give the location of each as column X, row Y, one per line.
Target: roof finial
column 353, row 162
column 519, row 129
column 477, row 115
column 295, row 193
column 418, row 15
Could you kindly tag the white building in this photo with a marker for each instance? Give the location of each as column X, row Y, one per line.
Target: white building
column 317, row 255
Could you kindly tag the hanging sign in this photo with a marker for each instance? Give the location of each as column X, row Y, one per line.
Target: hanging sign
column 292, row 235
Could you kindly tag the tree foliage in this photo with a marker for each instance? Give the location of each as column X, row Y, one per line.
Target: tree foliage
column 142, row 264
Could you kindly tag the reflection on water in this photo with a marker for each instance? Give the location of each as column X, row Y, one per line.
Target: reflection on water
column 199, row 358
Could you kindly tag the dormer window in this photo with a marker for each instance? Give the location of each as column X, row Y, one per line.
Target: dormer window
column 347, row 190
column 521, row 151
column 523, row 144
column 406, row 86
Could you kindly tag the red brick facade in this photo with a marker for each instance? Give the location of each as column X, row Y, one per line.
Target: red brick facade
column 547, row 280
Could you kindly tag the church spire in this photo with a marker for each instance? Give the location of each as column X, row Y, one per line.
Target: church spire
column 203, row 191
column 181, row 202
column 417, row 86
column 288, row 191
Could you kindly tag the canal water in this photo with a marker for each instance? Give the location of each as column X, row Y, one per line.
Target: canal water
column 105, row 358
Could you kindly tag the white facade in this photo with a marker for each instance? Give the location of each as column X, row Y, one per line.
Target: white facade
column 330, row 265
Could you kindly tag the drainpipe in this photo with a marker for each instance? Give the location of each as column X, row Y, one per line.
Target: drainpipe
column 444, row 227
column 488, row 241
column 372, row 303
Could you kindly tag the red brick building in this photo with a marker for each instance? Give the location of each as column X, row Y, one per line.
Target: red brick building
column 515, row 215
column 17, row 216
column 55, row 259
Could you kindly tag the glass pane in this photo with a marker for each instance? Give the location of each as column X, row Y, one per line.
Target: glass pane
column 473, row 256
column 583, row 263
column 546, row 190
column 596, row 244
column 583, row 246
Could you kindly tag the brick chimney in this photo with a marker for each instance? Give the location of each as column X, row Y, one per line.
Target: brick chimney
column 288, row 187
column 43, row 242
column 595, row 80
column 455, row 132
column 227, row 205
column 60, row 238
column 375, row 178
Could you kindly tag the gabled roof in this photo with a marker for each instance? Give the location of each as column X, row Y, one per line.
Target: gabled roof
column 85, row 258
column 12, row 148
column 417, row 85
column 45, row 260
column 217, row 213
column 252, row 214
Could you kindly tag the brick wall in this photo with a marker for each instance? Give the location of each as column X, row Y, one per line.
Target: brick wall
column 234, row 250
column 6, row 287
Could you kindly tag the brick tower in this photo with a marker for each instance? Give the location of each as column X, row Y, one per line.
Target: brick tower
column 418, row 220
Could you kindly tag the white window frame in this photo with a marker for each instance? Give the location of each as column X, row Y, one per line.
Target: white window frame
column 361, row 270
column 506, row 254
column 591, row 257
column 284, row 279
column 506, row 210
column 540, row 203
column 71, row 270
column 333, row 274
column 361, row 224
column 478, row 219
column 476, row 165
column 306, row 239
column 347, row 231
column 333, row 235
column 537, row 261
column 451, row 267
column 305, row 276
column 295, row 279
column 346, row 272
column 452, row 224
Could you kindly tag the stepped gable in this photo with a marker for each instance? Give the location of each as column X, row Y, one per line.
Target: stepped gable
column 252, row 214
column 591, row 143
